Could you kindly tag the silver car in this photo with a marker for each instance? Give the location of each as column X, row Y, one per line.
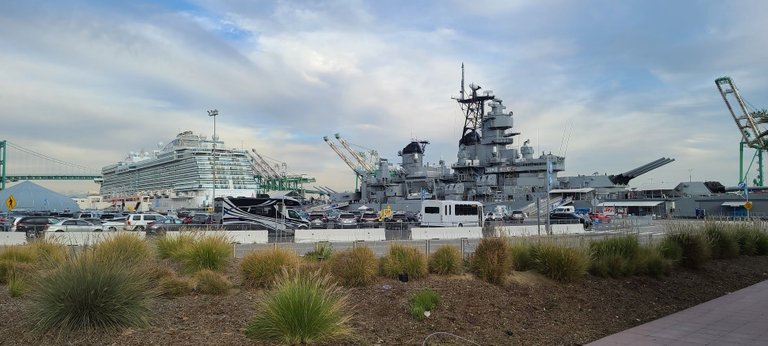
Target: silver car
column 73, row 225
column 346, row 220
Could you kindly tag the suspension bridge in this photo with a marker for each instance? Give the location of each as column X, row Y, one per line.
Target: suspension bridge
column 19, row 163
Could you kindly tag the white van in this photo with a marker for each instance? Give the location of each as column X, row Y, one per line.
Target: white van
column 564, row 209
column 138, row 222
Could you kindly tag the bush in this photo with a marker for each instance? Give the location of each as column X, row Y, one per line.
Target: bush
column 560, row 263
column 446, row 261
column 670, row 249
column 90, row 292
column 522, row 257
column 301, row 309
column 695, row 249
column 322, row 251
column 423, row 301
column 614, row 257
column 174, row 247
column 19, row 253
column 17, row 284
column 207, row 252
column 125, row 248
column 354, row 267
column 260, row 268
column 47, row 252
column 751, row 241
column 402, row 259
column 157, row 272
column 722, row 242
column 210, row 282
column 652, row 263
column 175, row 286
column 492, row 260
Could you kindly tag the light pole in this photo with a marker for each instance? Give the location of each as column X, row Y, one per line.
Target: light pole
column 213, row 113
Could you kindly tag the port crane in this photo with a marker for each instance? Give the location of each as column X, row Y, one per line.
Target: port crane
column 359, row 158
column 751, row 124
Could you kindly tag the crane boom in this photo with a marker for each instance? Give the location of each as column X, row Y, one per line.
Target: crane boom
column 266, row 165
column 354, row 154
column 752, row 133
column 341, row 155
column 256, row 165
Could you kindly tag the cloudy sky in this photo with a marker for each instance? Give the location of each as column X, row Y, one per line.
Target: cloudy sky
column 609, row 84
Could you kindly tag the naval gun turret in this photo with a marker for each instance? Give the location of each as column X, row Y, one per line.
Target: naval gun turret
column 624, row 178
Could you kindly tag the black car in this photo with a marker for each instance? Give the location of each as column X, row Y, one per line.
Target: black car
column 369, row 219
column 34, row 226
column 161, row 226
column 201, row 219
column 564, row 218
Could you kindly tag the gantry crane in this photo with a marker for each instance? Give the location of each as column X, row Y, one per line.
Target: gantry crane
column 750, row 124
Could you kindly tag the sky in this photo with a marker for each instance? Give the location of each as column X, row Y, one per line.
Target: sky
column 611, row 85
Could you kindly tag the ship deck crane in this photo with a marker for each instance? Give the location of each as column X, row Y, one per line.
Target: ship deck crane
column 750, row 124
column 354, row 154
column 266, row 165
column 342, row 156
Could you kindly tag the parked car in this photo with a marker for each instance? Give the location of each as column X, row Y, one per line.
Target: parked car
column 346, row 220
column 73, row 225
column 201, row 219
column 560, row 217
column 369, row 219
column 113, row 225
column 139, row 222
column 161, row 226
column 317, row 220
column 34, row 226
column 600, row 217
column 516, row 216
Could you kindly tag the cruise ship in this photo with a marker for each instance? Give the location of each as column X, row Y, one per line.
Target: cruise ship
column 180, row 175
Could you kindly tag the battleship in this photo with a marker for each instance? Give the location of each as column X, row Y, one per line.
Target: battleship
column 491, row 167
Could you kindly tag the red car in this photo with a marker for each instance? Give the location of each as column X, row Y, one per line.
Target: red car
column 600, row 217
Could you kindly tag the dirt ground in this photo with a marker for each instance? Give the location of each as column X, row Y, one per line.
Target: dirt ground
column 529, row 309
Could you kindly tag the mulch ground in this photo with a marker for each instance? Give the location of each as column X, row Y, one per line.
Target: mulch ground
column 528, row 309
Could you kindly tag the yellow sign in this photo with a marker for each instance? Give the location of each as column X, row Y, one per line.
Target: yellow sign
column 10, row 202
column 748, row 205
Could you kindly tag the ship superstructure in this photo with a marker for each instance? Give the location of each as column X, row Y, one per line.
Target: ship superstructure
column 181, row 174
column 491, row 166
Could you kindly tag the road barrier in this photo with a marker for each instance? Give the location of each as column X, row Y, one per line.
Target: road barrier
column 423, row 233
column 239, row 237
column 338, row 235
column 13, row 238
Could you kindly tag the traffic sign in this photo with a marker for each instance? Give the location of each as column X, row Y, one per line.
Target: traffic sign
column 742, row 185
column 10, row 202
column 748, row 205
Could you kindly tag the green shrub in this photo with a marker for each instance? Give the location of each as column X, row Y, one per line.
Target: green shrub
column 762, row 244
column 694, row 246
column 750, row 240
column 207, row 252
column 174, row 247
column 492, row 260
column 322, row 252
column 158, row 272
column 354, row 267
column 522, row 257
column 560, row 263
column 260, row 268
column 671, row 249
column 722, row 242
column 210, row 282
column 90, row 292
column 423, row 301
column 301, row 309
column 614, row 257
column 19, row 253
column 446, row 261
column 125, row 248
column 652, row 263
column 47, row 252
column 176, row 286
column 402, row 259
column 17, row 285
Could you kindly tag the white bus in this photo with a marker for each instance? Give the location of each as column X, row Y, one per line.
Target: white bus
column 435, row 213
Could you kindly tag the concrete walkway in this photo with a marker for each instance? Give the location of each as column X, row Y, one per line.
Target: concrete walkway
column 739, row 318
